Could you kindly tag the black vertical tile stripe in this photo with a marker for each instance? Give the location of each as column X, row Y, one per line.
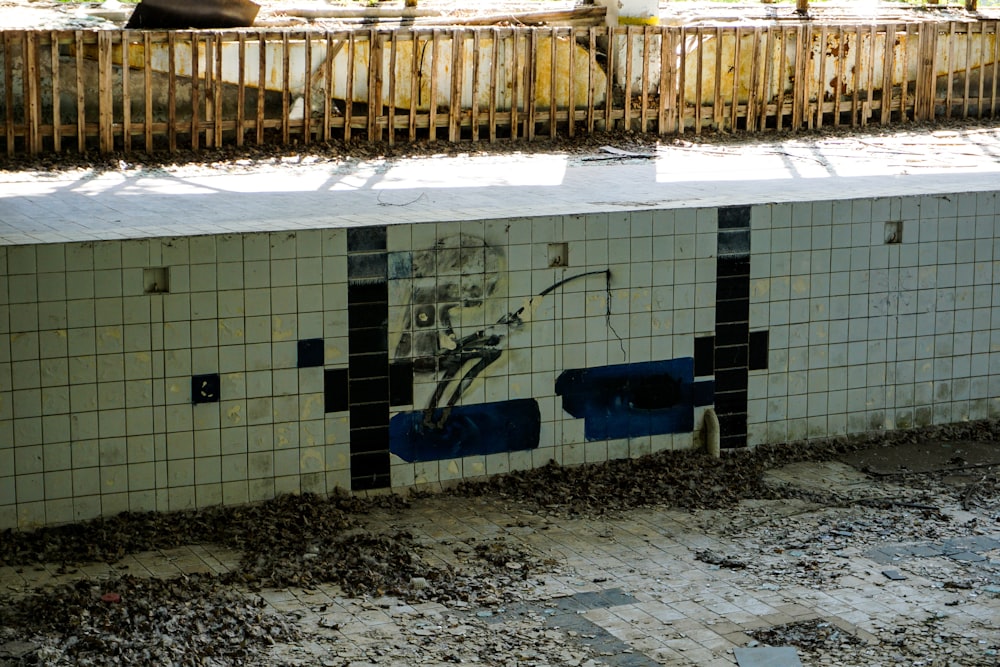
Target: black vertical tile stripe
column 335, row 391
column 731, row 353
column 759, row 348
column 704, row 355
column 368, row 377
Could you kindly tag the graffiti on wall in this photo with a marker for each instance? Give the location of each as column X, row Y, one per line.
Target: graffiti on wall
column 456, row 325
column 632, row 400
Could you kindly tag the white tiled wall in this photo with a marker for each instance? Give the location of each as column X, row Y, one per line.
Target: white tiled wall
column 868, row 335
column 96, row 415
column 95, row 404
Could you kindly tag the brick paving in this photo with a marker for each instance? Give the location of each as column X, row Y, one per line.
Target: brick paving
column 632, row 590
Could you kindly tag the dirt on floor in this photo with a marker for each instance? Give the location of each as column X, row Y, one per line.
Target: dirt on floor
column 766, row 512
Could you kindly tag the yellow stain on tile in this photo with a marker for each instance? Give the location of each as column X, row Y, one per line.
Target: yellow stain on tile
column 278, row 332
column 232, row 331
column 453, row 468
column 234, row 414
column 800, row 285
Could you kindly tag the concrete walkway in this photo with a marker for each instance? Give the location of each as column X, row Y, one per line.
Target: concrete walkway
column 306, row 192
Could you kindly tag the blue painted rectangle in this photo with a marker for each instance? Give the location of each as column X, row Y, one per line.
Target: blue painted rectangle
column 632, row 400
column 468, row 430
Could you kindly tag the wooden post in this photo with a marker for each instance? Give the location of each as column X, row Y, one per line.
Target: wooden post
column 56, row 111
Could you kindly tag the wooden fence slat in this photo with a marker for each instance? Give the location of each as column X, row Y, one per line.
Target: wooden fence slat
column 195, row 90
column 629, row 74
column 553, row 79
column 996, row 65
column 209, row 90
column 949, row 94
column 718, row 107
column 455, row 88
column 699, row 81
column 608, row 91
column 807, row 75
column 374, row 128
column 682, row 81
column 982, row 70
column 869, row 74
column 241, row 89
column 904, row 62
column 571, row 84
column 856, row 78
column 766, row 96
column 81, row 99
column 531, row 79
column 591, row 79
column 968, row 70
column 56, row 92
column 261, row 86
column 307, row 77
column 32, row 93
column 823, row 47
column 494, row 79
column 888, row 64
column 104, row 93
column 393, row 54
column 734, row 107
column 515, row 77
column 432, row 102
column 286, row 92
column 663, row 88
column 780, row 76
column 476, row 74
column 352, row 49
column 126, row 94
column 219, row 88
column 415, row 60
column 8, row 87
column 799, row 85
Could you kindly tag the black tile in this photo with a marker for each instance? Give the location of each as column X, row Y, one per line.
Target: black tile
column 704, row 355
column 733, row 424
column 730, row 380
column 367, row 266
column 369, row 365
column 732, row 265
column 364, row 415
column 759, row 350
column 205, row 388
column 335, row 389
column 369, row 463
column 730, row 356
column 732, row 217
column 365, row 238
column 368, row 440
column 733, row 310
column 733, row 441
column 368, row 292
column 369, row 390
column 367, row 315
column 401, row 383
column 731, row 333
column 729, row 402
column 734, row 242
column 732, row 287
column 368, row 482
column 363, row 341
column 310, row 352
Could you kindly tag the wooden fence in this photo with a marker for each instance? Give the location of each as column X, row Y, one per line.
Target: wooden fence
column 131, row 90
